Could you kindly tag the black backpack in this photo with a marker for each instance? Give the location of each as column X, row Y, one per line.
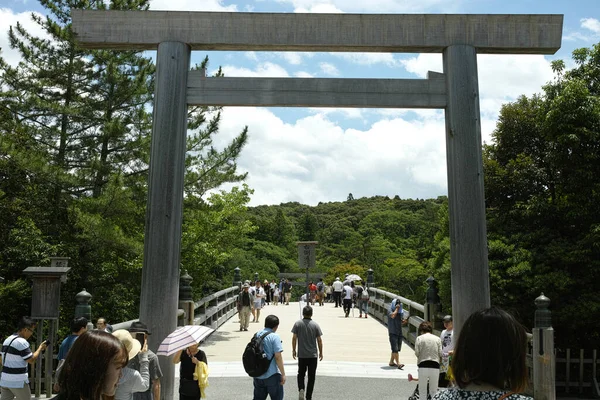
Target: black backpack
column 254, row 358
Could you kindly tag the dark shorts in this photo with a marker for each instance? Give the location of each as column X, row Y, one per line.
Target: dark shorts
column 395, row 343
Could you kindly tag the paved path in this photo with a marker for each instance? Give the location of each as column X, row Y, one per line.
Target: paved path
column 356, row 353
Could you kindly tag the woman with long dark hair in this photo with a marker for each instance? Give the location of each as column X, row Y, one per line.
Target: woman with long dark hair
column 92, row 367
column 489, row 358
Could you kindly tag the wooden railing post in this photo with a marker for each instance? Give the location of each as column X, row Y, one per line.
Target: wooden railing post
column 186, row 301
column 543, row 352
column 433, row 307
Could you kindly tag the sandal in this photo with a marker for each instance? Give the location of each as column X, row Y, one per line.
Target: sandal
column 392, row 365
column 400, row 366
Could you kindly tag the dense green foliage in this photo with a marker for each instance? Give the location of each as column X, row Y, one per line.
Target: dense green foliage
column 393, row 237
column 74, row 149
column 74, row 152
column 542, row 177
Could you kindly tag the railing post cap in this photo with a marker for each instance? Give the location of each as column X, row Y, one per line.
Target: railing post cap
column 542, row 301
column 83, row 297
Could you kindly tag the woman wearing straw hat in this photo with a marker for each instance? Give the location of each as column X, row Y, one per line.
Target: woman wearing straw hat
column 132, row 381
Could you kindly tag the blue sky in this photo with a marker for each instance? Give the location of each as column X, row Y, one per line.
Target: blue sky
column 320, row 155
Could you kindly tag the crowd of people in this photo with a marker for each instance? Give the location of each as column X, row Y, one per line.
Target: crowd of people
column 487, row 361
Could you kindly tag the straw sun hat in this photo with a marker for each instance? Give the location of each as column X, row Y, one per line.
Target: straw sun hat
column 133, row 346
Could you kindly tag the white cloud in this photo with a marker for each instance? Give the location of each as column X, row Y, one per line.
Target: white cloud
column 372, row 6
column 191, row 5
column 314, row 160
column 251, row 55
column 329, row 69
column 265, row 69
column 347, row 113
column 9, row 18
column 368, row 58
column 322, row 8
column 591, row 27
column 422, row 63
column 502, row 78
column 591, row 24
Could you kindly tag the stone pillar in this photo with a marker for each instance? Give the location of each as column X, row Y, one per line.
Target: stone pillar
column 468, row 242
column 255, row 278
column 370, row 281
column 83, row 308
column 162, row 240
column 186, row 300
column 543, row 352
column 237, row 278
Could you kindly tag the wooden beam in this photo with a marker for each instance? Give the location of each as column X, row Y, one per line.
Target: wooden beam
column 396, row 33
column 317, row 92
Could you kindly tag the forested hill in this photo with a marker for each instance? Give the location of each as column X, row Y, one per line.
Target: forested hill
column 394, row 237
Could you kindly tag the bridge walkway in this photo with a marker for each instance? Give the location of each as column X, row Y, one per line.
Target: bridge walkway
column 356, row 355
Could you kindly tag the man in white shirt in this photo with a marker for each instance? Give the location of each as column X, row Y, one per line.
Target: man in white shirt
column 16, row 354
column 338, row 287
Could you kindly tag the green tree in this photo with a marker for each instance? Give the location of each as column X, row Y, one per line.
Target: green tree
column 542, row 194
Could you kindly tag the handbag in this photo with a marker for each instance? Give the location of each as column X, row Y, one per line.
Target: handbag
column 189, row 387
column 415, row 395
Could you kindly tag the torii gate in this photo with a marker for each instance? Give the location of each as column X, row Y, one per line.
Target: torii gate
column 458, row 37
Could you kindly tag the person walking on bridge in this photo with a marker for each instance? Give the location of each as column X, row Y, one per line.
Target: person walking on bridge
column 271, row 382
column 338, row 287
column 348, row 294
column 307, row 334
column 395, row 321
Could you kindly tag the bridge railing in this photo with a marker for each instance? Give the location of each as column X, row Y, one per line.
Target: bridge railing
column 215, row 309
column 379, row 304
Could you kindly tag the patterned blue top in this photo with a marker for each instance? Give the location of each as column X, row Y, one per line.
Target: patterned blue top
column 460, row 394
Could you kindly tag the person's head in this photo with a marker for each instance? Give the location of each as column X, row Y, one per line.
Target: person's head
column 93, row 366
column 320, row 279
column 133, row 346
column 272, row 322
column 101, row 323
column 448, row 322
column 79, row 325
column 139, row 327
column 491, row 349
column 193, row 349
column 26, row 327
column 307, row 312
column 425, row 327
column 351, row 284
column 246, row 287
column 257, row 283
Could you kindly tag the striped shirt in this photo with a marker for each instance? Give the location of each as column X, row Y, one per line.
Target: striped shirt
column 14, row 367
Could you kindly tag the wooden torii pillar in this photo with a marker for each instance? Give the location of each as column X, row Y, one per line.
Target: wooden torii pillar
column 458, row 37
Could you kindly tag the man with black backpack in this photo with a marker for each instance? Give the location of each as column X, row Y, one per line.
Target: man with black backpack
column 266, row 344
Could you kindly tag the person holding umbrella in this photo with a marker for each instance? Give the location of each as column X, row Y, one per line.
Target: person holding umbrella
column 189, row 358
